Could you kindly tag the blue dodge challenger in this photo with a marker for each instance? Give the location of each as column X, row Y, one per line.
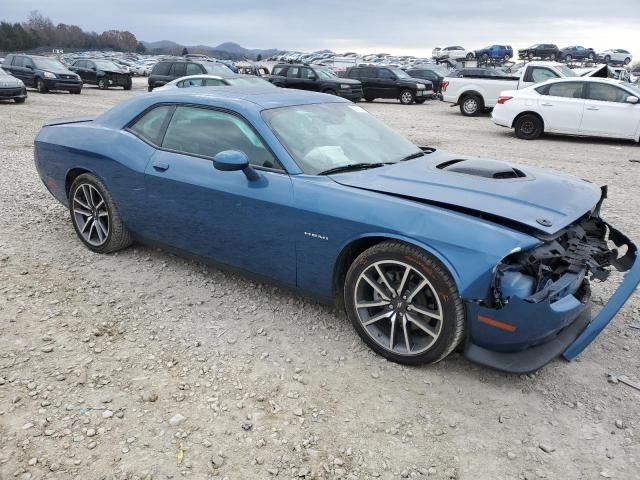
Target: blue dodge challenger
column 427, row 251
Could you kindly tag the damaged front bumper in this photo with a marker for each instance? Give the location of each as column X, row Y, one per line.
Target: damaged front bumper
column 521, row 333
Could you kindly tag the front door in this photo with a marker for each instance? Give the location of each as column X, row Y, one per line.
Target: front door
column 220, row 215
column 607, row 112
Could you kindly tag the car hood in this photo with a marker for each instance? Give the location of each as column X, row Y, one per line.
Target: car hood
column 519, row 196
column 7, row 81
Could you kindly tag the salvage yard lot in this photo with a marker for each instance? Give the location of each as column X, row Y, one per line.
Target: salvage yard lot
column 146, row 365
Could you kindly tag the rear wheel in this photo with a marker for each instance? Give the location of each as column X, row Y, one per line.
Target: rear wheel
column 406, row 97
column 591, row 56
column 568, row 58
column 484, row 57
column 469, row 56
column 552, row 56
column 129, row 84
column 95, row 217
column 528, row 126
column 531, row 56
column 607, row 58
column 369, row 99
column 627, row 61
column 471, row 105
column 41, row 86
column 506, row 57
column 404, row 304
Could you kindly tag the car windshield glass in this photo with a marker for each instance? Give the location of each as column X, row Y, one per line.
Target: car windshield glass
column 566, row 71
column 250, row 82
column 399, row 73
column 633, row 88
column 216, row 68
column 326, row 136
column 48, row 64
column 325, row 73
column 105, row 65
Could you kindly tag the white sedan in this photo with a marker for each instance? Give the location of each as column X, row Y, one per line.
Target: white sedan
column 597, row 107
column 237, row 80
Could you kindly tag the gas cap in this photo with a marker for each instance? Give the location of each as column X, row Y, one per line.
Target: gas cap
column 544, row 222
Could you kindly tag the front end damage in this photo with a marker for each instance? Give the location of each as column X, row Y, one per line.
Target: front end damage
column 539, row 303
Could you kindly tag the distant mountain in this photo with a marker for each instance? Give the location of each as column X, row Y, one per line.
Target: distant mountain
column 227, row 49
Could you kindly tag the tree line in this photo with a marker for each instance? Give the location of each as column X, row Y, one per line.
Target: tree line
column 40, row 31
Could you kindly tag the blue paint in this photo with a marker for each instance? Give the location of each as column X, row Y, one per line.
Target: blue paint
column 292, row 227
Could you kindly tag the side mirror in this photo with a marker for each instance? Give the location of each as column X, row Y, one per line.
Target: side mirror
column 29, row 66
column 233, row 160
column 93, row 68
column 632, row 99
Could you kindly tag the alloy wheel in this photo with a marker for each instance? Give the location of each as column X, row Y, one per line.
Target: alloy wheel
column 398, row 307
column 470, row 106
column 91, row 215
column 406, row 97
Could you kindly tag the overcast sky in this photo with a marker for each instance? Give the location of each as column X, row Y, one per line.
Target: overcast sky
column 413, row 27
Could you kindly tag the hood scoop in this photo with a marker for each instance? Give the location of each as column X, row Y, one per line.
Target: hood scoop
column 478, row 167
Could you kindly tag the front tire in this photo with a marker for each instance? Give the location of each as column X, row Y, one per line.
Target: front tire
column 406, row 97
column 129, row 84
column 528, row 127
column 41, row 86
column 404, row 304
column 103, row 84
column 369, row 99
column 19, row 100
column 95, row 217
column 568, row 58
column 607, row 58
column 627, row 61
column 471, row 106
column 469, row 56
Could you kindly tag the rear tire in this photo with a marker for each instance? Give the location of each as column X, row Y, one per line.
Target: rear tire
column 129, row 85
column 627, row 61
column 469, row 56
column 407, row 97
column 607, row 58
column 423, row 320
column 568, row 58
column 472, row 106
column 369, row 99
column 528, row 127
column 41, row 86
column 93, row 210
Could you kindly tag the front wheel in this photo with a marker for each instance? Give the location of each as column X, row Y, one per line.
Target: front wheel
column 102, row 84
column 406, row 97
column 568, row 58
column 627, row 61
column 506, row 57
column 41, row 86
column 607, row 59
column 469, row 56
column 404, row 304
column 591, row 56
column 128, row 85
column 19, row 100
column 528, row 127
column 369, row 99
column 471, row 106
column 95, row 217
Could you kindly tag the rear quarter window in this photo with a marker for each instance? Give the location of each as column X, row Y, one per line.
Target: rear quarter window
column 161, row 68
column 279, row 71
column 152, row 124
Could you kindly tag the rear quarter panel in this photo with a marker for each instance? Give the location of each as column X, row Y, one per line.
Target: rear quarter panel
column 117, row 157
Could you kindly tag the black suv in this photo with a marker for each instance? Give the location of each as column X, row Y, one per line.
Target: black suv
column 540, row 50
column 390, row 82
column 168, row 70
column 43, row 73
column 103, row 73
column 317, row 79
column 433, row 75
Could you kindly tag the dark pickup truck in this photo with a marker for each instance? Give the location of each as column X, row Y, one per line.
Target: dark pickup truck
column 317, row 79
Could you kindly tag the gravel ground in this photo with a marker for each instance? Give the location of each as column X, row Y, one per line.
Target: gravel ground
column 144, row 365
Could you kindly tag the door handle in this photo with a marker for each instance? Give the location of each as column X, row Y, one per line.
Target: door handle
column 547, row 104
column 161, row 166
column 593, row 108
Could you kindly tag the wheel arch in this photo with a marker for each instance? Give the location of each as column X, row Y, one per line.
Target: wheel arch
column 528, row 112
column 70, row 177
column 350, row 251
column 468, row 93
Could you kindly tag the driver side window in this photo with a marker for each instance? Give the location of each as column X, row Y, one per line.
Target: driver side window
column 205, row 133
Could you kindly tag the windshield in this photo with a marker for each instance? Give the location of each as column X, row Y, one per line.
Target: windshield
column 48, row 64
column 216, row 68
column 105, row 65
column 325, row 136
column 633, row 88
column 566, row 71
column 399, row 73
column 250, row 82
column 325, row 73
